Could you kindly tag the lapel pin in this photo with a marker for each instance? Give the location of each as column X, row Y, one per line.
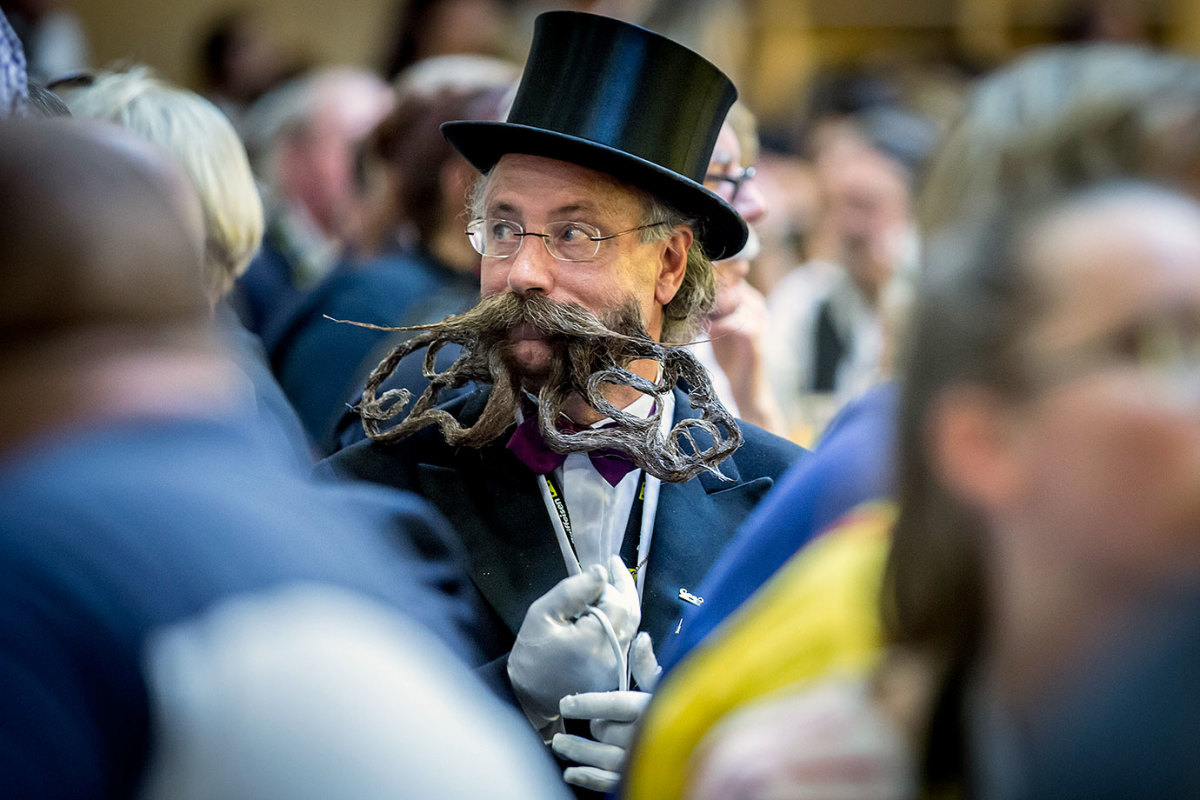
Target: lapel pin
column 688, row 597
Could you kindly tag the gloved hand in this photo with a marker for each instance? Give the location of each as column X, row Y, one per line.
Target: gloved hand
column 562, row 649
column 614, row 717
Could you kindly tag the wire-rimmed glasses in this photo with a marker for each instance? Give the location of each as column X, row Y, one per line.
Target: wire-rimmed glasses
column 566, row 240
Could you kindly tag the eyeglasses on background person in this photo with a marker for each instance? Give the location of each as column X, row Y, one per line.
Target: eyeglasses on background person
column 735, row 177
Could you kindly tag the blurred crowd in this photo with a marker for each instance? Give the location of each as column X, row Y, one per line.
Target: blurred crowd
column 970, row 305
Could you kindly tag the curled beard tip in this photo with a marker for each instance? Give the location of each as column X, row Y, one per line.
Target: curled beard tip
column 386, row 406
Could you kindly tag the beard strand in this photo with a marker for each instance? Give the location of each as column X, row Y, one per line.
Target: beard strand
column 589, row 357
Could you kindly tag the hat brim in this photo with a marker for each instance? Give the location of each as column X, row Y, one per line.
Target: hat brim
column 721, row 230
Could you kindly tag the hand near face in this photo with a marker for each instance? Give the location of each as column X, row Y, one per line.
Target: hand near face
column 740, row 347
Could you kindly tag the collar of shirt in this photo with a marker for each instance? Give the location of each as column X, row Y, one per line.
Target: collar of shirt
column 600, row 512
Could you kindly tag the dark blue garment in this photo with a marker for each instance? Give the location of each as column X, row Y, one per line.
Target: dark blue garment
column 107, row 536
column 276, row 417
column 267, row 289
column 319, row 362
column 1127, row 723
column 852, row 464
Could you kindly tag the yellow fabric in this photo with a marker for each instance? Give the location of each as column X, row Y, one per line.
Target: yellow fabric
column 818, row 615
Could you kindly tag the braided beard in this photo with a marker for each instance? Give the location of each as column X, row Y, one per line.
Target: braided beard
column 588, row 357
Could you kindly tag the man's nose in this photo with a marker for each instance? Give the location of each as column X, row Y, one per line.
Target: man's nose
column 532, row 268
column 750, row 202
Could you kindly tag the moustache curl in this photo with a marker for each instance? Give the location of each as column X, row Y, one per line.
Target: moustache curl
column 591, row 356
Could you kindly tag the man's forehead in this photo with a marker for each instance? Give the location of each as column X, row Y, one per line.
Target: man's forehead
column 521, row 181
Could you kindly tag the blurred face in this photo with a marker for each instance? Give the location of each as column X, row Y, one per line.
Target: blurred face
column 744, row 195
column 866, row 211
column 320, row 165
column 532, row 192
column 1109, row 447
column 463, row 26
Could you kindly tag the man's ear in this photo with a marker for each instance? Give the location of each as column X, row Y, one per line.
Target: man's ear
column 974, row 447
column 672, row 264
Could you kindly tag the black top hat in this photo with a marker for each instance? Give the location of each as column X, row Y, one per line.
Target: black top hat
column 621, row 100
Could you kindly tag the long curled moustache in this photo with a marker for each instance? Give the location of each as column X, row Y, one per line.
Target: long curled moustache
column 592, row 357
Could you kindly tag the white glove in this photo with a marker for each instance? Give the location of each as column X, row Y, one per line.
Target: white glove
column 563, row 649
column 614, row 718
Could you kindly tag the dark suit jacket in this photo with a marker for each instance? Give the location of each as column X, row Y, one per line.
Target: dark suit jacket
column 493, row 502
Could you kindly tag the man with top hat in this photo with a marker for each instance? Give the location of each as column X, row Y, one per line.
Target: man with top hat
column 592, row 476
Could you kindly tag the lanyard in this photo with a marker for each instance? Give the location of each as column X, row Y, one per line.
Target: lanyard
column 560, row 520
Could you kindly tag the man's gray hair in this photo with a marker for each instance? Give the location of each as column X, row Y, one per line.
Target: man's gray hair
column 685, row 314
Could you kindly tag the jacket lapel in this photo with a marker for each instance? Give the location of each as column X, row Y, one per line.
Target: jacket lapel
column 493, row 502
column 695, row 521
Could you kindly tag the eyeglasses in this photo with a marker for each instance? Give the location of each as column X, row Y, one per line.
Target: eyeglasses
column 736, row 177
column 1165, row 347
column 566, row 240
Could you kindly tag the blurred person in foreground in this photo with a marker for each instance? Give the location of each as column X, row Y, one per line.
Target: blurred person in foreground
column 1128, row 723
column 204, row 144
column 184, row 616
column 595, row 231
column 414, row 264
column 1057, row 120
column 303, row 139
column 1049, row 491
column 733, row 345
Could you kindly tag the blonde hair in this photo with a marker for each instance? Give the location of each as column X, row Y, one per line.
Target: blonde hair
column 203, row 142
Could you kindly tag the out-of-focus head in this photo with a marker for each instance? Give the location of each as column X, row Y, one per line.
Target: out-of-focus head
column 203, row 142
column 731, row 175
column 431, row 28
column 867, row 172
column 99, row 230
column 1112, row 362
column 426, row 182
column 239, row 59
column 1052, row 404
column 1065, row 117
column 304, row 137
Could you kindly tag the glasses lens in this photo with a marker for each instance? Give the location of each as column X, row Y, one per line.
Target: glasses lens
column 728, row 184
column 1170, row 348
column 498, row 238
column 572, row 241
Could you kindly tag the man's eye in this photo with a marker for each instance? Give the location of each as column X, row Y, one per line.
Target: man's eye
column 503, row 231
column 573, row 234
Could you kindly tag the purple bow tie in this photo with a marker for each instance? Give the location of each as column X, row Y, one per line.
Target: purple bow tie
column 530, row 448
